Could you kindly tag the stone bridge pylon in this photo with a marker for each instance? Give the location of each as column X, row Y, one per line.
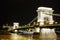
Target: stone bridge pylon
column 42, row 15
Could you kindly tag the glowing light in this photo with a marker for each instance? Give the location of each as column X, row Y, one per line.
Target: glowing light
column 15, row 30
column 56, row 22
column 37, row 29
column 41, row 24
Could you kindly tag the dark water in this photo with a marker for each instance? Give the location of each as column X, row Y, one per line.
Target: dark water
column 18, row 36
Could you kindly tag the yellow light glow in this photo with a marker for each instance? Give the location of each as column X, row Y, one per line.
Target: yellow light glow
column 37, row 29
column 41, row 24
column 15, row 30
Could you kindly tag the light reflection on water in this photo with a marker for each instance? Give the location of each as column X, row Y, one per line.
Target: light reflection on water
column 14, row 36
column 19, row 37
column 46, row 34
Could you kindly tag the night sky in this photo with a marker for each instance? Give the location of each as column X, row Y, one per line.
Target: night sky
column 23, row 11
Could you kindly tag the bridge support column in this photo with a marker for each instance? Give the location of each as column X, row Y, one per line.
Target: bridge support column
column 43, row 15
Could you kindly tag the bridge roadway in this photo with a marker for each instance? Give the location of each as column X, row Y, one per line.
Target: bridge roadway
column 32, row 27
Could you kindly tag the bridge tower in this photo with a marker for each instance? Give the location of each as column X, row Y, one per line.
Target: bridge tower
column 43, row 15
column 15, row 25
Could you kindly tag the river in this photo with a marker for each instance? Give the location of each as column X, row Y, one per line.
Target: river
column 18, row 36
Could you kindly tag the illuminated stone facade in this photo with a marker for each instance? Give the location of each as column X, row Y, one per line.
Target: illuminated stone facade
column 43, row 13
column 15, row 25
